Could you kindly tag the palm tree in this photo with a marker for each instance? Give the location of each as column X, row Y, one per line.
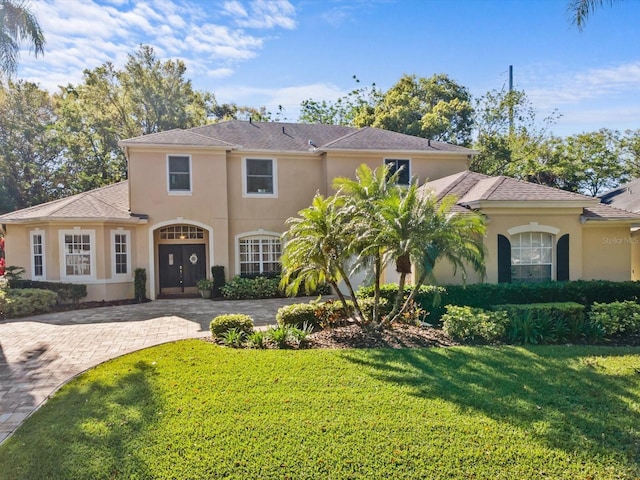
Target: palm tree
column 316, row 250
column 581, row 10
column 363, row 197
column 404, row 229
column 17, row 24
column 452, row 236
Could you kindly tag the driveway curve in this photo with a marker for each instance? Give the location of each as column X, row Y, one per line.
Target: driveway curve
column 39, row 354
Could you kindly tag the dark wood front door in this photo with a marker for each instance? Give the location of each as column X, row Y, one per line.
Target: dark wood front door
column 181, row 266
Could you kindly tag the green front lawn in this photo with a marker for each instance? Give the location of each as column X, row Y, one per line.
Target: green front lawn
column 191, row 410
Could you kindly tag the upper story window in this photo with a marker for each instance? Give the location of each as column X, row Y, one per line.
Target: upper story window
column 531, row 257
column 179, row 174
column 260, row 177
column 37, row 255
column 402, row 166
column 78, row 254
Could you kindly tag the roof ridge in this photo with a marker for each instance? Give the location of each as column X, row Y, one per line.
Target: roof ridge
column 350, row 134
column 499, row 180
column 455, row 181
column 191, row 132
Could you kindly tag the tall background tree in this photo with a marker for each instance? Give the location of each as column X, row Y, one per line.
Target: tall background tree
column 30, row 150
column 18, row 25
column 436, row 107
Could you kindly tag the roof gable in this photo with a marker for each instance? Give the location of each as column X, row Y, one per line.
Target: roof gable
column 473, row 189
column 109, row 202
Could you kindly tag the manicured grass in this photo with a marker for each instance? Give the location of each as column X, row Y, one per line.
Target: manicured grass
column 191, row 410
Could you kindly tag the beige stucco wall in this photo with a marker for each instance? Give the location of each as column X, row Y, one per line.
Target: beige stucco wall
column 103, row 285
column 424, row 167
column 607, row 252
column 635, row 254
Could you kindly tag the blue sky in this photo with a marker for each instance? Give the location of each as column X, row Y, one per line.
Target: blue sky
column 263, row 52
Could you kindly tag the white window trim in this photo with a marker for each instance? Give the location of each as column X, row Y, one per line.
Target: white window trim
column 533, row 227
column 37, row 231
column 63, row 263
column 386, row 159
column 180, row 192
column 127, row 234
column 246, row 194
column 255, row 233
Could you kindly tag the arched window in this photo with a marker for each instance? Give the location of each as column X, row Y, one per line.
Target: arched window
column 181, row 232
column 259, row 254
column 531, row 257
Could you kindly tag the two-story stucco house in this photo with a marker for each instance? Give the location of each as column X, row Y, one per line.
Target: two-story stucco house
column 221, row 194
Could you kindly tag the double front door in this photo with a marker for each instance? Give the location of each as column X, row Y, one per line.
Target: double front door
column 181, row 266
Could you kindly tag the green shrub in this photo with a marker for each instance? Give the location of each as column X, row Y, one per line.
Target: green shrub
column 474, row 324
column 220, row 324
column 428, row 299
column 256, row 339
column 433, row 299
column 545, row 322
column 217, row 274
column 140, row 284
column 234, row 337
column 66, row 292
column 616, row 317
column 26, row 301
column 240, row 288
column 279, row 336
column 297, row 314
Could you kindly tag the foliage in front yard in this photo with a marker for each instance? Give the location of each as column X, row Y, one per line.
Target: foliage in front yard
column 617, row 317
column 240, row 288
column 474, row 324
column 222, row 323
column 66, row 292
column 26, row 301
column 193, row 410
column 485, row 295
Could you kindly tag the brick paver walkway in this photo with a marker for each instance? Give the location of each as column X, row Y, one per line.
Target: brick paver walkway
column 38, row 354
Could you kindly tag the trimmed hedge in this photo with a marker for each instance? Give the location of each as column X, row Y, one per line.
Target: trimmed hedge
column 616, row 317
column 26, row 301
column 66, row 292
column 474, row 324
column 549, row 323
column 486, row 296
column 223, row 323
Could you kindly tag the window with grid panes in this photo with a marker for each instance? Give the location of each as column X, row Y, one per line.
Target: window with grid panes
column 531, row 257
column 259, row 255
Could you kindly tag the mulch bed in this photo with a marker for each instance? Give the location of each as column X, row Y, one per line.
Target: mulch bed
column 401, row 336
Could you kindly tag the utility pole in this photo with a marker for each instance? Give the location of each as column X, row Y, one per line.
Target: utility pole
column 510, row 97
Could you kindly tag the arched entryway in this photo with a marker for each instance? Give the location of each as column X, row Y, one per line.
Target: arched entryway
column 183, row 252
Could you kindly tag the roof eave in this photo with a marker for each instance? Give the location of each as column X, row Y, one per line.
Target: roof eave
column 406, row 152
column 475, row 204
column 23, row 221
column 124, row 143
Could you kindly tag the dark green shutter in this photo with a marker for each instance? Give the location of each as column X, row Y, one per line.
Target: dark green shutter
column 562, row 258
column 504, row 259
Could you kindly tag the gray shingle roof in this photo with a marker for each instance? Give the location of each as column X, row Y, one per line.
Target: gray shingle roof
column 293, row 137
column 105, row 203
column 176, row 137
column 471, row 187
column 626, row 197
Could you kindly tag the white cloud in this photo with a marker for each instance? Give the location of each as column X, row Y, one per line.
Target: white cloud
column 574, row 87
column 269, row 14
column 85, row 34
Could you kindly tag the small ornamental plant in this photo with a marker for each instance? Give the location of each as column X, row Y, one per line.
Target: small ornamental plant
column 205, row 284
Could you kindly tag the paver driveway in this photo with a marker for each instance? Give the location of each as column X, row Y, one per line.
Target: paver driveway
column 38, row 354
